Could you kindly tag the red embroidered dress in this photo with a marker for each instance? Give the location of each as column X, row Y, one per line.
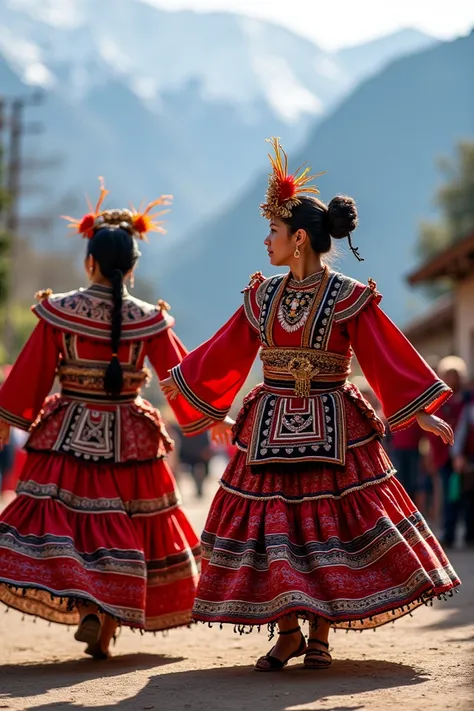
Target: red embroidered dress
column 309, row 517
column 98, row 515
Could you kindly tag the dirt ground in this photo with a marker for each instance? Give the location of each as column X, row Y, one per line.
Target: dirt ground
column 424, row 663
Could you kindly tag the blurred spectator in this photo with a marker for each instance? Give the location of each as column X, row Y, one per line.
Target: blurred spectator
column 462, row 488
column 454, row 372
column 406, row 458
column 196, row 453
column 18, row 455
column 174, row 432
column 7, row 454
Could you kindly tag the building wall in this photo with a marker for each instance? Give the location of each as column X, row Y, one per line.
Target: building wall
column 441, row 343
column 464, row 322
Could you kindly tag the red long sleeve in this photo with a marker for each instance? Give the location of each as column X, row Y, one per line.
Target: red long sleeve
column 211, row 376
column 31, row 378
column 166, row 351
column 401, row 379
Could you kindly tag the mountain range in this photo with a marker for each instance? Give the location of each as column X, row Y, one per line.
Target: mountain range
column 379, row 145
column 174, row 102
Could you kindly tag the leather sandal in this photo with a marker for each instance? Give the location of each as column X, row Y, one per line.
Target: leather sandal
column 88, row 630
column 275, row 664
column 317, row 658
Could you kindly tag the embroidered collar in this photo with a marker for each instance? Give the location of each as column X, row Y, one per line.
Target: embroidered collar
column 89, row 312
column 103, row 291
column 309, row 281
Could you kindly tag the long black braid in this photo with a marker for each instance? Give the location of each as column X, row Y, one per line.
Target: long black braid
column 116, row 252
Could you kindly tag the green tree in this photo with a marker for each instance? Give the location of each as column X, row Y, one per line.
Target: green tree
column 455, row 199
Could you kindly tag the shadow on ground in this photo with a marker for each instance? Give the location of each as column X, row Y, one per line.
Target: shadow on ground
column 240, row 688
column 62, row 675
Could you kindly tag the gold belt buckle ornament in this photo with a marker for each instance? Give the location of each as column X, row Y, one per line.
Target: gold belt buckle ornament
column 302, row 370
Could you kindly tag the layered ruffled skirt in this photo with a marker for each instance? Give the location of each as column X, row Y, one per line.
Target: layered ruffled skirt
column 344, row 543
column 110, row 534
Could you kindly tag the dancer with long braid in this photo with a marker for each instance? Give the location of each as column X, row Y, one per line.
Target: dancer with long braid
column 96, row 536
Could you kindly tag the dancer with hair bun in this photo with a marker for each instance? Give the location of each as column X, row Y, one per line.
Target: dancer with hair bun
column 97, row 536
column 310, row 521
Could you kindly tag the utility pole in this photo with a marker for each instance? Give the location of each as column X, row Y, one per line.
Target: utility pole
column 16, row 129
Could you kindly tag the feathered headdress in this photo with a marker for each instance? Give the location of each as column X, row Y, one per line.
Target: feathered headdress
column 285, row 189
column 137, row 222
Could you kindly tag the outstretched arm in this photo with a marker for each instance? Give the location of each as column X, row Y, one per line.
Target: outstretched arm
column 210, row 377
column 407, row 387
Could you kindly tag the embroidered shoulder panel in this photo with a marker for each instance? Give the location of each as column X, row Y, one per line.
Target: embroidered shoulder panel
column 267, row 299
column 88, row 312
column 353, row 297
column 253, row 298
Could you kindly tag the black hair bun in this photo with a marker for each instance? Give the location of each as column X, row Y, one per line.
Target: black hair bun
column 342, row 216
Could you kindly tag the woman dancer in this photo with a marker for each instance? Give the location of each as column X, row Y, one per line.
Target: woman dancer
column 96, row 535
column 309, row 521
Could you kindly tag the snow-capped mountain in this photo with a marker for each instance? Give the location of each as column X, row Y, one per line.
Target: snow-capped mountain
column 175, row 102
column 74, row 45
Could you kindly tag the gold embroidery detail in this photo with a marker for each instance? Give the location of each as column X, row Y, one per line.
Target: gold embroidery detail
column 255, row 278
column 303, row 365
column 93, row 378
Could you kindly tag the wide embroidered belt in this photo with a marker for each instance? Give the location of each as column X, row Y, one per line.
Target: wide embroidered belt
column 87, row 383
column 290, row 429
column 302, row 368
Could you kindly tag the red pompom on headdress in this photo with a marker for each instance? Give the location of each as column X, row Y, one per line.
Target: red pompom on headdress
column 138, row 222
column 144, row 222
column 284, row 189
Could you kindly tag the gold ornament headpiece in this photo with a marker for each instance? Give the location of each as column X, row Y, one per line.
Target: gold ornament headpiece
column 285, row 189
column 137, row 222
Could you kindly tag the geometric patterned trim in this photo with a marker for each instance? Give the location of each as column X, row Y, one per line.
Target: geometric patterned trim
column 125, row 562
column 134, row 508
column 194, row 428
column 251, row 316
column 280, row 495
column 318, row 328
column 15, row 420
column 353, row 443
column 290, row 430
column 88, row 312
column 353, row 298
column 355, row 554
column 212, row 412
column 430, row 400
column 250, row 612
column 271, row 289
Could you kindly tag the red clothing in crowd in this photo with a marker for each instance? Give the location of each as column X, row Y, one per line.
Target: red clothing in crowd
column 407, row 439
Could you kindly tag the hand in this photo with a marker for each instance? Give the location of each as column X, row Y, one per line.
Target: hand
column 221, row 432
column 4, row 433
column 169, row 388
column 431, row 423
